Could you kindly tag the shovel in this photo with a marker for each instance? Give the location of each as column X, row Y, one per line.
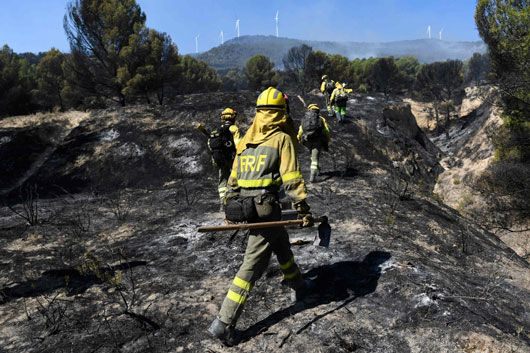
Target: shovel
column 324, row 230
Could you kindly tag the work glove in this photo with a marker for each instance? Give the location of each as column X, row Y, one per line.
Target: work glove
column 307, row 221
column 303, row 213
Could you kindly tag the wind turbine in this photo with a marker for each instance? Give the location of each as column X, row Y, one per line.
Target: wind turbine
column 197, row 43
column 237, row 27
column 441, row 33
column 222, row 38
column 429, row 31
column 277, row 18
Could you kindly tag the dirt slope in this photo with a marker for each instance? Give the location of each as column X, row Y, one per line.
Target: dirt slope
column 126, row 270
column 468, row 151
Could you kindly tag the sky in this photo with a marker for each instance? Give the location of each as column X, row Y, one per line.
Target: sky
column 37, row 25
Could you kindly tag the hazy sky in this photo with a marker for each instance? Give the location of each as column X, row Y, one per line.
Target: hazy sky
column 37, row 25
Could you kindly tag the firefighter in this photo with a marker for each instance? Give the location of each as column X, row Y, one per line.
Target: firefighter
column 327, row 88
column 222, row 144
column 266, row 158
column 339, row 99
column 314, row 134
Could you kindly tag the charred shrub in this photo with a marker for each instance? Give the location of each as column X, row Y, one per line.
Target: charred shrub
column 119, row 203
column 28, row 206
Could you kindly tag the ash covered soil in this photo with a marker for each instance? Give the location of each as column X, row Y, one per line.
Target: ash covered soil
column 113, row 261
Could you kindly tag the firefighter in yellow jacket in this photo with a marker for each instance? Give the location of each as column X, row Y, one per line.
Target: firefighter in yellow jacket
column 339, row 99
column 223, row 157
column 314, row 134
column 266, row 158
column 326, row 87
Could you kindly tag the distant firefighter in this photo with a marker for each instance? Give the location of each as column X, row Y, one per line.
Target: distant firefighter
column 339, row 98
column 266, row 159
column 327, row 88
column 222, row 144
column 314, row 134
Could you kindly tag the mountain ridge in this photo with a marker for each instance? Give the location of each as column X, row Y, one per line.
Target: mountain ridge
column 235, row 52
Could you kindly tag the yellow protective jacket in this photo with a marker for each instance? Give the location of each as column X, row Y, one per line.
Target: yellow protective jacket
column 326, row 131
column 266, row 157
column 335, row 93
column 323, row 86
column 235, row 132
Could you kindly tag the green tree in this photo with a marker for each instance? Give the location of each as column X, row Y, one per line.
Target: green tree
column 386, row 75
column 504, row 25
column 17, row 79
column 259, row 73
column 339, row 68
column 98, row 31
column 408, row 66
column 317, row 64
column 198, row 77
column 153, row 59
column 362, row 70
column 478, row 68
column 51, row 80
column 234, row 80
column 440, row 82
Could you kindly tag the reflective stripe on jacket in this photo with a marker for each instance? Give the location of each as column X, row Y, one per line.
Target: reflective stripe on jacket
column 269, row 165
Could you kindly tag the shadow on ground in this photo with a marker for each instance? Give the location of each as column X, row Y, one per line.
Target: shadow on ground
column 339, row 282
column 70, row 279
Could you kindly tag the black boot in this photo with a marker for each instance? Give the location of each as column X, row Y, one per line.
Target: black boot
column 301, row 293
column 225, row 333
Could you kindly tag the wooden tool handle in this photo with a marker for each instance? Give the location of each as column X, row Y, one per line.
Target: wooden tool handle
column 202, row 129
column 245, row 226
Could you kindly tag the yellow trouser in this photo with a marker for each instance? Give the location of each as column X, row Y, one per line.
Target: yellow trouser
column 224, row 174
column 261, row 244
column 328, row 105
column 314, row 148
column 315, row 155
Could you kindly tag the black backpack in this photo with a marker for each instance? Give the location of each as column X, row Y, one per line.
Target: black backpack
column 330, row 86
column 221, row 144
column 341, row 98
column 312, row 126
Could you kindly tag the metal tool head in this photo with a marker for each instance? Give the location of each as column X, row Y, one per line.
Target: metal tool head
column 324, row 232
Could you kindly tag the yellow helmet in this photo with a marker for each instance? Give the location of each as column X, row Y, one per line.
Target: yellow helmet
column 228, row 114
column 338, row 85
column 324, row 77
column 271, row 98
column 313, row 107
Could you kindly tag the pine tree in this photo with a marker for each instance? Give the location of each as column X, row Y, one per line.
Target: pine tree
column 17, row 79
column 439, row 82
column 98, row 31
column 505, row 27
column 198, row 77
column 156, row 68
column 259, row 73
column 51, row 80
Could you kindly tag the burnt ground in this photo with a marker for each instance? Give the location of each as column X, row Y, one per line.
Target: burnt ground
column 113, row 262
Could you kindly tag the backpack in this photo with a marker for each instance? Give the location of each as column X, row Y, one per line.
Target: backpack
column 312, row 126
column 330, row 87
column 221, row 145
column 341, row 98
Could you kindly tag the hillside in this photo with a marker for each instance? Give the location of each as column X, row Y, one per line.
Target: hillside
column 236, row 52
column 114, row 261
